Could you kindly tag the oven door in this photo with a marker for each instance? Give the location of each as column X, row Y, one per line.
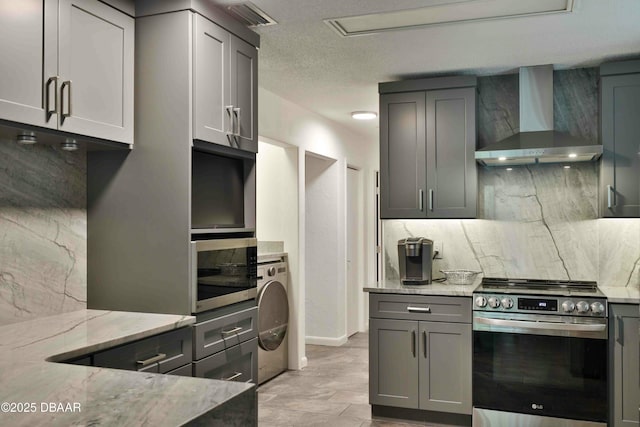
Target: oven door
column 223, row 272
column 540, row 365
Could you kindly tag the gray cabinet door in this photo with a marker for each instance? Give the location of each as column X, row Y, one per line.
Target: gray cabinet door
column 624, row 321
column 445, row 367
column 212, row 106
column 402, row 155
column 393, row 363
column 243, row 81
column 451, row 143
column 96, row 46
column 620, row 169
column 28, row 59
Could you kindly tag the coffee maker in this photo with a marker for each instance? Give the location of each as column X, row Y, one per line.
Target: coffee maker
column 414, row 256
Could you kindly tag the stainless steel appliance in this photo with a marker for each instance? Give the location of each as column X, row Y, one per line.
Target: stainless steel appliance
column 539, row 354
column 224, row 271
column 273, row 319
column 414, row 256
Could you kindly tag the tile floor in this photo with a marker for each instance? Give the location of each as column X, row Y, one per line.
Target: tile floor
column 333, row 390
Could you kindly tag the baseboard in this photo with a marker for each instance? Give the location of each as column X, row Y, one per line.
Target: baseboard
column 304, row 362
column 333, row 342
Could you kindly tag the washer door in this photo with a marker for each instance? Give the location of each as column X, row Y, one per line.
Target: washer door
column 273, row 315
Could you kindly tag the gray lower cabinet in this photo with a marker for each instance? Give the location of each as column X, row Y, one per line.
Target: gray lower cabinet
column 420, row 364
column 69, row 66
column 620, row 127
column 237, row 363
column 225, row 330
column 624, row 354
column 427, row 149
column 160, row 353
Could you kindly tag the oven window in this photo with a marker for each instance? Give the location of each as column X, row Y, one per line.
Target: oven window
column 541, row 375
column 223, row 272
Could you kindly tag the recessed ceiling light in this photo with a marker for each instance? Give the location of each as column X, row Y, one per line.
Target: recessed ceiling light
column 502, row 159
column 460, row 11
column 573, row 155
column 364, row 115
column 26, row 138
column 69, row 144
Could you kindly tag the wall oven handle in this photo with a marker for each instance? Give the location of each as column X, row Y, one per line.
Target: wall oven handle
column 541, row 325
column 411, row 309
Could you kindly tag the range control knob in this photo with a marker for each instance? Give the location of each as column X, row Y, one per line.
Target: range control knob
column 597, row 308
column 568, row 306
column 494, row 302
column 481, row 301
column 582, row 306
column 507, row 302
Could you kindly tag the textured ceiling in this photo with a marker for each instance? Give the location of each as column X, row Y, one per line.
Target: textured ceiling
column 302, row 59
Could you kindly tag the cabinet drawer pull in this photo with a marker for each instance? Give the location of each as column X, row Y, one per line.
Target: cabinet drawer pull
column 421, row 199
column 54, row 80
column 418, row 309
column 232, row 331
column 158, row 357
column 431, row 199
column 620, row 338
column 424, row 335
column 233, row 377
column 236, row 112
column 610, row 196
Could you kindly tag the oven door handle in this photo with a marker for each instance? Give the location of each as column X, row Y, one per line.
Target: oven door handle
column 527, row 324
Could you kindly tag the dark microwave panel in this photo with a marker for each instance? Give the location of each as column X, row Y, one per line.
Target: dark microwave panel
column 217, row 191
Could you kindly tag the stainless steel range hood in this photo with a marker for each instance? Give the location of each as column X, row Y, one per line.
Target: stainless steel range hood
column 537, row 142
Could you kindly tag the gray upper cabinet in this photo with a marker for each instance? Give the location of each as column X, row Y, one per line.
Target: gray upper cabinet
column 28, row 61
column 225, row 87
column 68, row 65
column 624, row 389
column 620, row 127
column 427, row 149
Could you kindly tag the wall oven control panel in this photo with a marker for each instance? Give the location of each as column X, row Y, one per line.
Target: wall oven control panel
column 574, row 305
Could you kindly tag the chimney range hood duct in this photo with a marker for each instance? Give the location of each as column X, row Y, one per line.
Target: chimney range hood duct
column 537, row 142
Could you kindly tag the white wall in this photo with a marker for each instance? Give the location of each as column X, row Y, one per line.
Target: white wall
column 285, row 122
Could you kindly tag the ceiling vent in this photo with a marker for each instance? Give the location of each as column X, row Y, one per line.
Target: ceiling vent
column 250, row 15
column 449, row 13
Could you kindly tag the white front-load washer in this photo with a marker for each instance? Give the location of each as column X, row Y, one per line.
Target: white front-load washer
column 273, row 319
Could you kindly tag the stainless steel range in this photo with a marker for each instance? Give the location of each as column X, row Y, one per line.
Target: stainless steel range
column 539, row 354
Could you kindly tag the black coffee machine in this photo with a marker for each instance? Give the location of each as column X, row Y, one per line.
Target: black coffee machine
column 414, row 256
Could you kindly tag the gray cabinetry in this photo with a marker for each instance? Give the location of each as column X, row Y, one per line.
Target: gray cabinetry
column 69, row 66
column 225, row 90
column 620, row 127
column 624, row 389
column 237, row 363
column 420, row 359
column 427, row 146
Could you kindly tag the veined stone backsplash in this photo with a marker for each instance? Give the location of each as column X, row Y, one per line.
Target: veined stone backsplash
column 539, row 222
column 43, row 231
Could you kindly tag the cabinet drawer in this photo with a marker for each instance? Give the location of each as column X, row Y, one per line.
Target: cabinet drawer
column 183, row 371
column 214, row 335
column 238, row 363
column 160, row 353
column 420, row 307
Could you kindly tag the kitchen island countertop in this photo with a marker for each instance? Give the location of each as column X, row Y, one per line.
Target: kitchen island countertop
column 42, row 392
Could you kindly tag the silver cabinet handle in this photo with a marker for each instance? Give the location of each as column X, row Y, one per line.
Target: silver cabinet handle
column 229, row 109
column 424, row 335
column 610, row 196
column 413, row 343
column 232, row 331
column 236, row 112
column 411, row 309
column 421, row 199
column 620, row 338
column 64, row 115
column 149, row 361
column 50, row 112
column 431, row 199
column 233, row 377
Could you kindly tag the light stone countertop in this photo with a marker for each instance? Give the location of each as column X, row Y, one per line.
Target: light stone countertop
column 435, row 288
column 621, row 294
column 105, row 396
column 268, row 256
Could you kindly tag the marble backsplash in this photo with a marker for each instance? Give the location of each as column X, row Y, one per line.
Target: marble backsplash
column 538, row 221
column 43, row 231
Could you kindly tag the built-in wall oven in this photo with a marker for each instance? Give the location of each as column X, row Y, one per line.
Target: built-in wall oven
column 539, row 354
column 224, row 271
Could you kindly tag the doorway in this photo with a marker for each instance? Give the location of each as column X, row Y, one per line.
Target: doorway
column 355, row 249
